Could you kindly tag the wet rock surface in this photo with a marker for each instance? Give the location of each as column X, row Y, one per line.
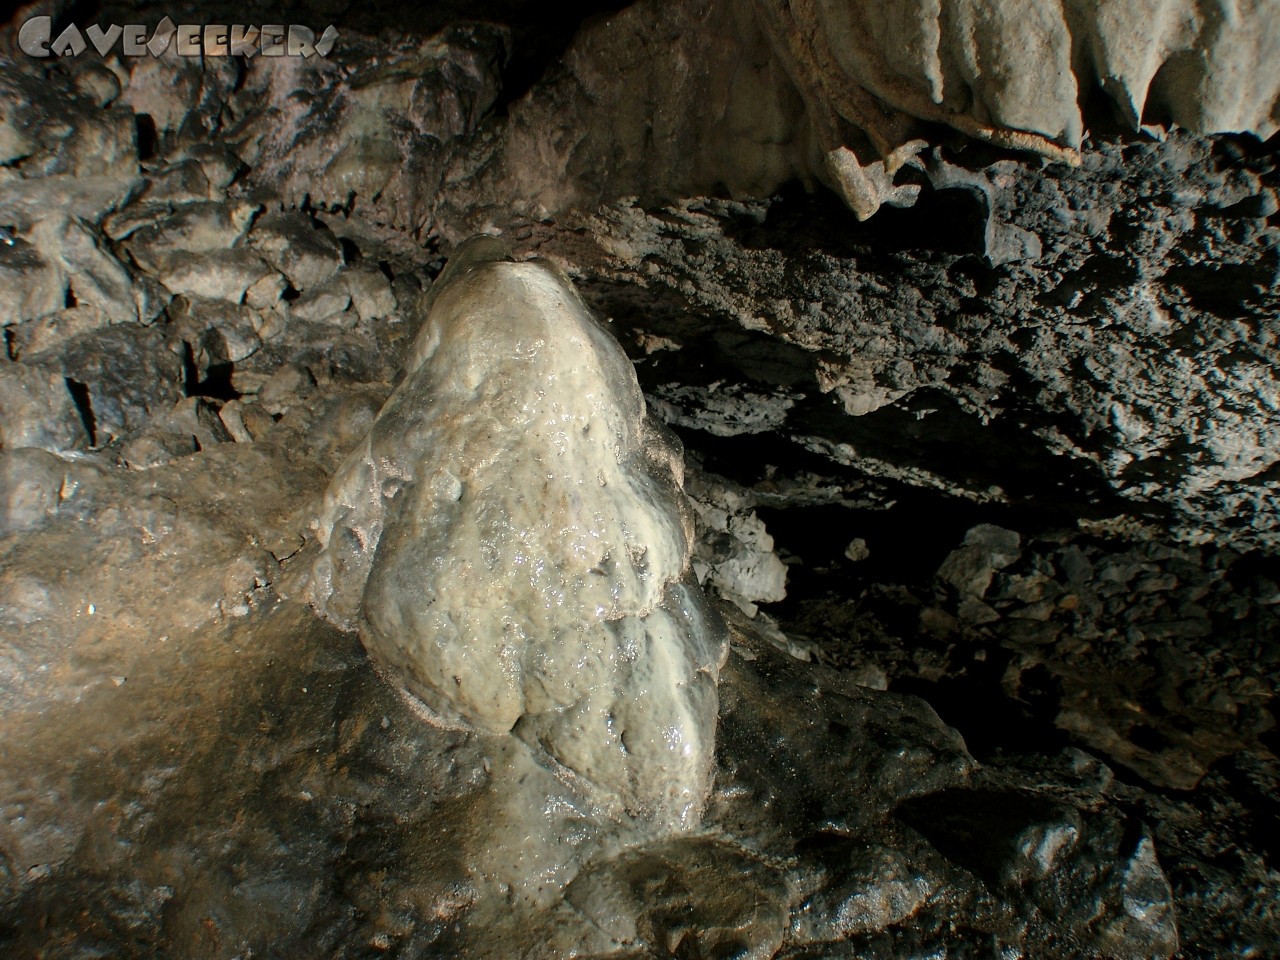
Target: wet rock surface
column 985, row 490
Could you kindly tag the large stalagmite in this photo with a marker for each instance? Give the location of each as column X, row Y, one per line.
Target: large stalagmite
column 513, row 544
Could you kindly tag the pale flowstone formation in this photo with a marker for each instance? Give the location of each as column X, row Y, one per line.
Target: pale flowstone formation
column 512, row 542
column 1014, row 74
column 748, row 94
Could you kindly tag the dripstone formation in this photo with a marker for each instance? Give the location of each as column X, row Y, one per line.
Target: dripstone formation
column 829, row 511
column 512, row 541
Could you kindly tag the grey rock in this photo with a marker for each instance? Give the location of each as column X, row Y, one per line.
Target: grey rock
column 1032, row 847
column 876, row 889
column 723, row 411
column 31, row 483
column 97, row 82
column 39, row 410
column 183, row 96
column 699, row 891
column 89, row 199
column 971, row 609
column 304, row 252
column 151, row 297
column 31, row 286
column 189, row 228
column 124, row 373
column 324, row 304
column 371, row 294
column 233, row 422
column 178, row 183
column 1075, row 565
column 881, row 343
column 216, row 275
column 266, row 293
column 50, row 129
column 753, row 94
column 857, row 550
column 193, row 420
column 219, row 163
column 155, row 448
column 971, row 568
column 734, row 554
column 1002, row 242
column 218, row 333
column 94, row 275
column 122, row 223
column 385, row 136
column 49, row 333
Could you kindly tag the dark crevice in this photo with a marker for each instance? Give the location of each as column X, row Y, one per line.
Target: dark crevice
column 215, row 385
column 148, row 138
column 1227, row 290
column 190, row 373
column 539, row 41
column 80, row 397
column 950, row 221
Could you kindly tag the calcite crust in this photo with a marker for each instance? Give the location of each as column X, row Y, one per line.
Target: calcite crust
column 513, row 544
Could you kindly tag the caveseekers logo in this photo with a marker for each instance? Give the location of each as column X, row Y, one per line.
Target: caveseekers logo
column 188, row 40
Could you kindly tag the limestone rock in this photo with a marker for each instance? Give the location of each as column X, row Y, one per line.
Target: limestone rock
column 124, row 374
column 31, row 484
column 178, row 183
column 702, row 892
column 189, row 228
column 1076, row 365
column 734, row 554
column 384, row 136
column 985, row 550
column 538, row 582
column 217, row 275
column 47, row 334
column 39, row 409
column 94, row 275
column 304, row 252
column 726, row 411
column 321, row 304
column 371, row 294
column 51, row 129
column 89, row 199
column 219, row 163
column 219, row 333
column 181, row 97
column 156, row 447
column 30, row 285
column 752, row 93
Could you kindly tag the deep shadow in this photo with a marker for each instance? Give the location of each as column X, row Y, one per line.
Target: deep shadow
column 84, row 406
column 951, row 221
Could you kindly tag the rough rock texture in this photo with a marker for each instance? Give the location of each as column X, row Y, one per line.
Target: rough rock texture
column 1150, row 300
column 385, row 136
column 986, row 488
